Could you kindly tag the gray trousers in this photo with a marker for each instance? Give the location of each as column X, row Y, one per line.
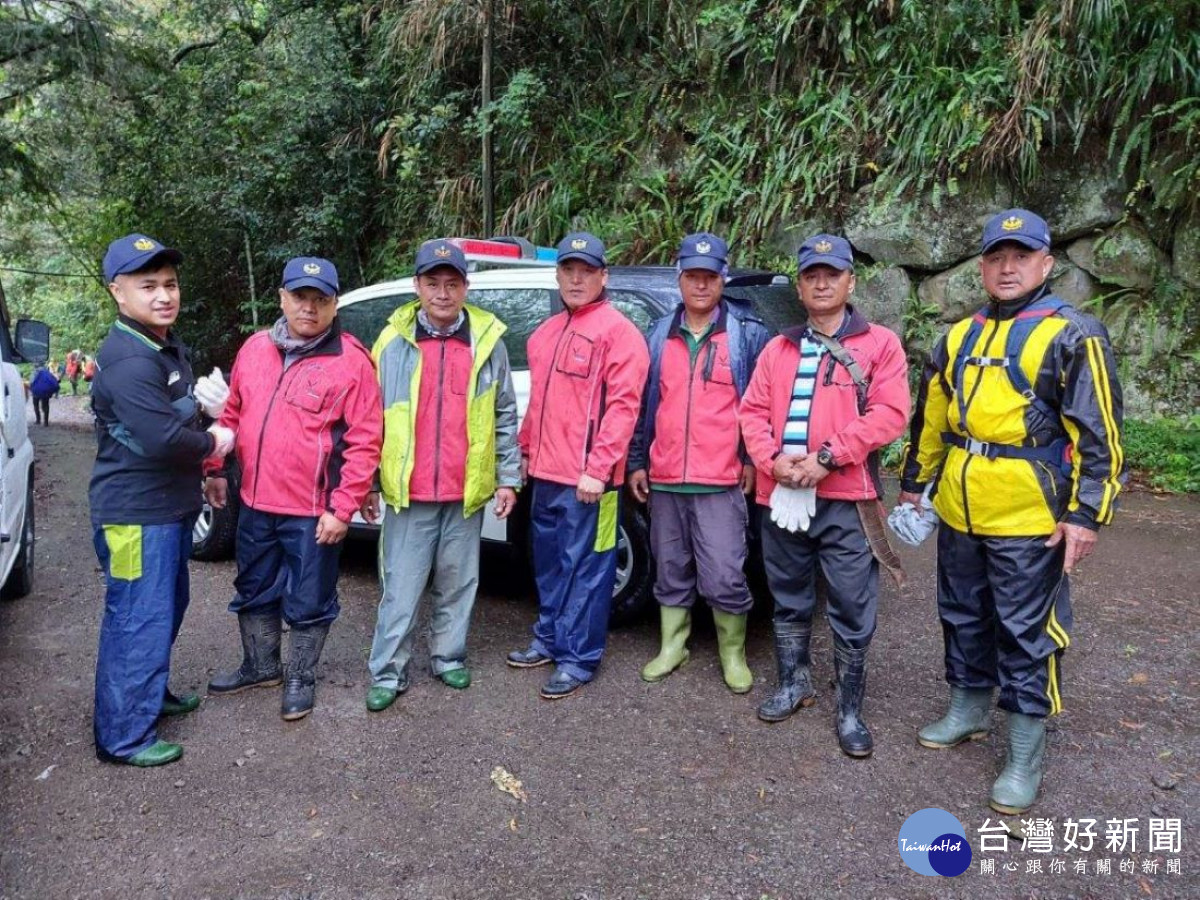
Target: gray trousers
column 836, row 542
column 425, row 537
column 699, row 546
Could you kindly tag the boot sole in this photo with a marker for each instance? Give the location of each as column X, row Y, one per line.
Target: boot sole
column 294, row 716
column 665, row 675
column 1009, row 810
column 858, row 754
column 532, row 665
column 938, row 745
column 803, row 704
column 274, row 682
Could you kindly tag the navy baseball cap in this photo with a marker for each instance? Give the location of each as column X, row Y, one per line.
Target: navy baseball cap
column 133, row 252
column 826, row 250
column 703, row 251
column 584, row 246
column 1020, row 225
column 310, row 271
column 440, row 252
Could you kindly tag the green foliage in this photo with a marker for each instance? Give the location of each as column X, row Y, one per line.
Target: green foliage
column 352, row 128
column 1166, row 451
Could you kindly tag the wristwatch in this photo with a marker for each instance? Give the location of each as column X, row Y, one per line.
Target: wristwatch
column 825, row 459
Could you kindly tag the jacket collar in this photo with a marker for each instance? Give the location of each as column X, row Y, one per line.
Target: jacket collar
column 853, row 324
column 1009, row 308
column 144, row 334
column 718, row 323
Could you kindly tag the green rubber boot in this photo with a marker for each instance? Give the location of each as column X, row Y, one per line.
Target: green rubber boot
column 968, row 719
column 1017, row 787
column 676, row 626
column 731, row 648
column 157, row 754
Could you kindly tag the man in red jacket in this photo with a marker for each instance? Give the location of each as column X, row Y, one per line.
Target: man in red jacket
column 824, row 398
column 304, row 402
column 687, row 460
column 587, row 366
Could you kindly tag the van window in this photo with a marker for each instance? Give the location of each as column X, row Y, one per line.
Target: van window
column 367, row 318
column 637, row 307
column 521, row 309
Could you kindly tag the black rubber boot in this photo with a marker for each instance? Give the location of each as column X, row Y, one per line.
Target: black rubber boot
column 300, row 681
column 795, row 680
column 260, row 667
column 850, row 668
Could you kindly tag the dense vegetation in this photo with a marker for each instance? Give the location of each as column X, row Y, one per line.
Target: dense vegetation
column 244, row 131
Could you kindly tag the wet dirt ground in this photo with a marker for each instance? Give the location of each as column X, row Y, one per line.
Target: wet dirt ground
column 634, row 790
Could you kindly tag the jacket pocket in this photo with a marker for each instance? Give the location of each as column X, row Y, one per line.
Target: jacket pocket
column 721, row 371
column 307, row 393
column 575, row 358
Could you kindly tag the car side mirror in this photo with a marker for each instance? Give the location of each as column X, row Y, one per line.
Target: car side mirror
column 32, row 340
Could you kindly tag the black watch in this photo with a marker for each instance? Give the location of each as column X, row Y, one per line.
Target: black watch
column 825, row 459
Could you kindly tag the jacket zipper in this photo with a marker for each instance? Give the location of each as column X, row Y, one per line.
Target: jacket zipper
column 263, row 430
column 965, row 407
column 687, row 416
column 546, row 389
column 437, row 447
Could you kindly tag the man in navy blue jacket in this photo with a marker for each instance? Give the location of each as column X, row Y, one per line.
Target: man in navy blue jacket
column 144, row 497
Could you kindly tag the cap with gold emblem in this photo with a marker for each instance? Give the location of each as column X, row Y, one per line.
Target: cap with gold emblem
column 584, row 246
column 310, row 271
column 1019, row 225
column 440, row 252
column 703, row 251
column 826, row 250
column 134, row 252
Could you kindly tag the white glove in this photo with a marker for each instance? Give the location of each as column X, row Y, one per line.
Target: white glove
column 224, row 438
column 913, row 525
column 211, row 392
column 793, row 508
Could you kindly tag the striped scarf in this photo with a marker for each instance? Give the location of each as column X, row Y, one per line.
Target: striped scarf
column 795, row 429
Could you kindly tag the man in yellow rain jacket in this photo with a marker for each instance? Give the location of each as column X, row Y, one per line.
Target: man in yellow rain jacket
column 1018, row 427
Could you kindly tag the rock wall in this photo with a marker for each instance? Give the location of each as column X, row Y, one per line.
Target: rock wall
column 1135, row 268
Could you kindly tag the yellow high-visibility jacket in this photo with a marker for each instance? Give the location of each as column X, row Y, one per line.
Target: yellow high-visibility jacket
column 1068, row 361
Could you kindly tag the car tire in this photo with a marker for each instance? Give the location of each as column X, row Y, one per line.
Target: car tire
column 20, row 579
column 215, row 532
column 633, row 594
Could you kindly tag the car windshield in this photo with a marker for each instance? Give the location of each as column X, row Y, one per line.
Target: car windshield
column 776, row 304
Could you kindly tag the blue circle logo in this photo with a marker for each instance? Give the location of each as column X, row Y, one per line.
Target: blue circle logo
column 934, row 842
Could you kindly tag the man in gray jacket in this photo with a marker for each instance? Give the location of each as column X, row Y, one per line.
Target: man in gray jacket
column 449, row 447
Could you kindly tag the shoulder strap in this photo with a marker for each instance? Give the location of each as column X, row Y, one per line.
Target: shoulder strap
column 1022, row 327
column 964, row 349
column 843, row 356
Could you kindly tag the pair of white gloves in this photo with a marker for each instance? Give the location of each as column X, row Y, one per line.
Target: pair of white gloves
column 913, row 525
column 793, row 508
column 212, row 393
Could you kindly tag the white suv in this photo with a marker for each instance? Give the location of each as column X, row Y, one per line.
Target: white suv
column 523, row 297
column 30, row 343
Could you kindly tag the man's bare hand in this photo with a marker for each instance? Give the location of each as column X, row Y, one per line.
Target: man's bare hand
column 216, row 491
column 589, row 489
column 748, row 479
column 784, row 469
column 370, row 507
column 331, row 529
column 1080, row 543
column 809, row 472
column 639, row 485
column 915, row 499
column 506, row 502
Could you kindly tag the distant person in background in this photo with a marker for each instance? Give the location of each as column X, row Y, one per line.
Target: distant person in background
column 72, row 369
column 89, row 370
column 42, row 386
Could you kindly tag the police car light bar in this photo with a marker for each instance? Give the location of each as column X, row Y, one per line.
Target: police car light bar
column 503, row 251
